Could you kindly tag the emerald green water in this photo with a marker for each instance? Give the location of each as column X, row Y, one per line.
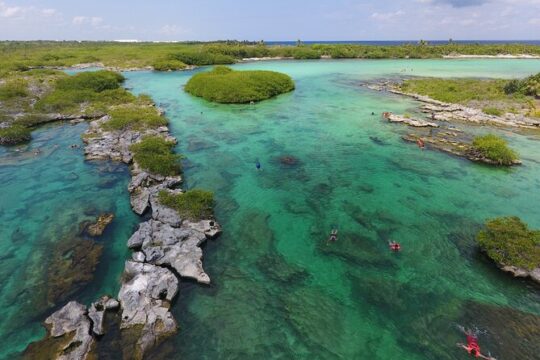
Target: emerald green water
column 279, row 290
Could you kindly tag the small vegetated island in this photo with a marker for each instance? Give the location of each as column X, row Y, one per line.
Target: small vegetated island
column 512, row 246
column 227, row 86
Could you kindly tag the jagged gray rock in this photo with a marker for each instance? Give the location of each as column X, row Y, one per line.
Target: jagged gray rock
column 163, row 244
column 523, row 273
column 72, row 318
column 140, row 200
column 145, row 298
column 208, row 227
column 96, row 313
column 163, row 213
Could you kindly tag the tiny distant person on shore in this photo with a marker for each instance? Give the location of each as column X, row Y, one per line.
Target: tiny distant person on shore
column 472, row 346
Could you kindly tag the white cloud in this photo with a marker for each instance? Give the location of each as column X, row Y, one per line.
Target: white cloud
column 24, row 12
column 87, row 20
column 49, row 12
column 172, row 30
column 10, row 11
column 387, row 16
column 534, row 21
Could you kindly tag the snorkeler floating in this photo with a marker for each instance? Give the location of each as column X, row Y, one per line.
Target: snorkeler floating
column 394, row 246
column 333, row 235
column 258, row 165
column 472, row 346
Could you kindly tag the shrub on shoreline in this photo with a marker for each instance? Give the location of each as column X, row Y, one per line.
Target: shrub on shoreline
column 94, row 87
column 495, row 148
column 14, row 134
column 224, row 85
column 134, row 117
column 194, row 204
column 508, row 241
column 492, row 111
column 155, row 155
column 168, row 65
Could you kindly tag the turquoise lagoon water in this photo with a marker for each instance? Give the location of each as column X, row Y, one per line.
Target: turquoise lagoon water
column 44, row 198
column 279, row 290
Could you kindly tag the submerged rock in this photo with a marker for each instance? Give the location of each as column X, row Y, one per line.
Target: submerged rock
column 145, row 298
column 69, row 336
column 72, row 265
column 99, row 226
column 288, row 160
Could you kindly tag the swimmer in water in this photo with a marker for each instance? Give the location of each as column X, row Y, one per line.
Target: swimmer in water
column 472, row 346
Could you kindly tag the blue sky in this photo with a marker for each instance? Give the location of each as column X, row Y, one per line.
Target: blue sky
column 269, row 20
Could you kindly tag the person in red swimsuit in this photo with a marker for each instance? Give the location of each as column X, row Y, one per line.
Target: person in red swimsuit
column 472, row 346
column 394, row 246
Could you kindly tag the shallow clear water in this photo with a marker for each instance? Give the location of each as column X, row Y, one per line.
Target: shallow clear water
column 279, row 290
column 44, row 198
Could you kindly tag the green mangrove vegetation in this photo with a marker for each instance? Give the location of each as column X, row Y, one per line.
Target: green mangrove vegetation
column 34, row 97
column 155, row 155
column 224, row 85
column 509, row 241
column 168, row 65
column 495, row 148
column 195, row 204
column 494, row 97
column 134, row 117
column 14, row 134
column 21, row 56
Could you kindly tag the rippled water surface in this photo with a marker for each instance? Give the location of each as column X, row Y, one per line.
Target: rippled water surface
column 279, row 289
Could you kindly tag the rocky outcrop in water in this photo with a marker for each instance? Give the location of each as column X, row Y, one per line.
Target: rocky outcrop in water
column 448, row 142
column 164, row 242
column 69, row 336
column 166, row 247
column 534, row 274
column 442, row 111
column 145, row 296
column 407, row 120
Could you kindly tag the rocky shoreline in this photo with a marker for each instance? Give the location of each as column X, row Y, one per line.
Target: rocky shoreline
column 450, row 142
column 518, row 272
column 166, row 248
column 448, row 112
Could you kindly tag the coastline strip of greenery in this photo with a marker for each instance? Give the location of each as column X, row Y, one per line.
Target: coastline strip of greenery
column 224, row 85
column 23, row 55
column 495, row 148
column 509, row 241
column 195, row 204
column 155, row 155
